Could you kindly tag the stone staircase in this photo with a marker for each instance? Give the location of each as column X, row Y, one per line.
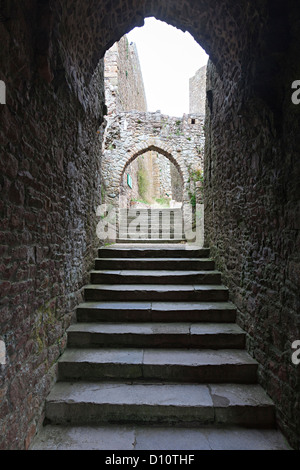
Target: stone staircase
column 155, row 225
column 155, row 348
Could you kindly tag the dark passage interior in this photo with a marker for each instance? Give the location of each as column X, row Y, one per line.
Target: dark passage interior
column 51, row 59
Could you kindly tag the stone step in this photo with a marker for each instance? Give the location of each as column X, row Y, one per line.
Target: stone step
column 148, row 251
column 154, row 292
column 131, row 210
column 152, row 240
column 155, row 277
column 148, row 225
column 150, row 229
column 153, row 437
column 155, row 224
column 156, row 343
column 155, row 233
column 158, row 234
column 151, row 222
column 165, row 212
column 149, row 236
column 170, row 404
column 178, row 365
column 218, row 312
column 155, row 263
column 156, row 335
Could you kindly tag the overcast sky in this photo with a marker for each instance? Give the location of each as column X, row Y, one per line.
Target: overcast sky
column 168, row 58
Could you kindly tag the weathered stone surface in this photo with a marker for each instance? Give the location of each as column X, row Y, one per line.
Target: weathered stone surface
column 155, row 277
column 154, row 263
column 171, row 292
column 149, row 250
column 91, row 402
column 160, row 335
column 129, row 135
column 49, row 56
column 198, row 92
column 112, row 437
column 156, row 311
column 123, row 80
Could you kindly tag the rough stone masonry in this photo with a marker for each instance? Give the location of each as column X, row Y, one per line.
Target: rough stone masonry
column 134, row 133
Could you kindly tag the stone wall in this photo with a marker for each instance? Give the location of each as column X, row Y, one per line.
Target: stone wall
column 124, row 86
column 124, row 91
column 164, row 177
column 50, row 188
column 252, row 214
column 198, row 92
column 50, row 179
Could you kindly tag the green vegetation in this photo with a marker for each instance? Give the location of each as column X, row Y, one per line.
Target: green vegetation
column 195, row 176
column 143, row 201
column 192, row 196
column 163, row 201
column 143, row 183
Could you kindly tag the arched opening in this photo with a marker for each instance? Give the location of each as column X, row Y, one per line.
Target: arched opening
column 151, row 180
column 160, row 152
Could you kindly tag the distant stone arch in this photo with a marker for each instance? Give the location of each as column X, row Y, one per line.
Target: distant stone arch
column 153, row 148
column 129, row 135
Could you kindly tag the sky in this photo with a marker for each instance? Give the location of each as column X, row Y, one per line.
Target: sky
column 169, row 58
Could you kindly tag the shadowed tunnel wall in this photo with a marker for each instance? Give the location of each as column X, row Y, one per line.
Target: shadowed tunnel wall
column 51, row 61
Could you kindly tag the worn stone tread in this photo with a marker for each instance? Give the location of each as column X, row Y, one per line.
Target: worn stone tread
column 155, row 263
column 171, row 356
column 190, row 365
column 148, row 250
column 156, row 311
column 156, row 343
column 154, row 276
column 138, row 437
column 153, row 240
column 154, row 292
column 157, row 328
column 145, row 402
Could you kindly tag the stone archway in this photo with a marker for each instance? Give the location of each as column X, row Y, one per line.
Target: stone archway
column 50, row 170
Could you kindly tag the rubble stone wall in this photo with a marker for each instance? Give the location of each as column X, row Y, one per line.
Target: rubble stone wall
column 50, row 134
column 129, row 135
